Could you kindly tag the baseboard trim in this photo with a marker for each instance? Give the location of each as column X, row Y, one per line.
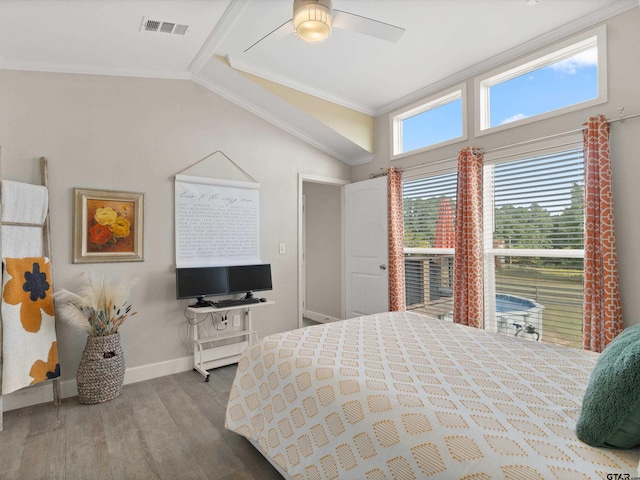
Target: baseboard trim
column 43, row 392
column 320, row 317
column 160, row 369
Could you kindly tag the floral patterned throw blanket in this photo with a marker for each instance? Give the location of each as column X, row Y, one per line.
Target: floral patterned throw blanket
column 30, row 352
column 404, row 396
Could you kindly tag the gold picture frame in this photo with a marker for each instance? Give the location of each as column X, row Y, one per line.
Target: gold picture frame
column 108, row 226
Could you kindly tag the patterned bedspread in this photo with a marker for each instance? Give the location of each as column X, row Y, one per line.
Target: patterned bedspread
column 402, row 396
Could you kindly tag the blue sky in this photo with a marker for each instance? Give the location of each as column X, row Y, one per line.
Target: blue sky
column 564, row 83
column 433, row 126
column 561, row 84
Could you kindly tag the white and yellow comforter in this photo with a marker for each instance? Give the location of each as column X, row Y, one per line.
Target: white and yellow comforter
column 402, row 396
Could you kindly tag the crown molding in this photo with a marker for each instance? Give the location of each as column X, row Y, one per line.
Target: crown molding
column 238, row 100
column 93, row 70
column 229, row 84
column 611, row 10
column 362, row 160
column 287, row 82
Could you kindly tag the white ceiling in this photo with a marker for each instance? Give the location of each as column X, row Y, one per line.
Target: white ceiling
column 442, row 37
column 445, row 40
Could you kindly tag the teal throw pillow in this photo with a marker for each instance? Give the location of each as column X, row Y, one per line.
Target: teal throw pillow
column 610, row 415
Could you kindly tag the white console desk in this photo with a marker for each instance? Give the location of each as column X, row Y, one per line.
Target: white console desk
column 206, row 355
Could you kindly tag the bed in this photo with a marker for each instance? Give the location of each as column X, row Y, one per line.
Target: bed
column 403, row 396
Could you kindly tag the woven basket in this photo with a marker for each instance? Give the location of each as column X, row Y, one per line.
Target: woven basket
column 101, row 370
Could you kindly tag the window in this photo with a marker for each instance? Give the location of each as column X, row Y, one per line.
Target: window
column 438, row 121
column 429, row 222
column 533, row 241
column 568, row 77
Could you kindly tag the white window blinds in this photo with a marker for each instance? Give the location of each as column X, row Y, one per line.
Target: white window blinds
column 534, row 234
column 533, row 243
column 423, row 200
column 429, row 206
column 538, row 202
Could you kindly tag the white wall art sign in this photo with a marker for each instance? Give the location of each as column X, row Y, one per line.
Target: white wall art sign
column 217, row 222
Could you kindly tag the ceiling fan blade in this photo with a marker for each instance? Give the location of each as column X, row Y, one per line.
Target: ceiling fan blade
column 367, row 26
column 284, row 29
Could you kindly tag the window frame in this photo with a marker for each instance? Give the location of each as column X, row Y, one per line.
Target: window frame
column 521, row 151
column 491, row 159
column 429, row 103
column 542, row 58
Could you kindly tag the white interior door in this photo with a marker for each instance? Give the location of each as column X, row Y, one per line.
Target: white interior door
column 367, row 279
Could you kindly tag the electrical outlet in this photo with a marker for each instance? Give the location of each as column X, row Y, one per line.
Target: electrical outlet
column 236, row 321
column 281, row 249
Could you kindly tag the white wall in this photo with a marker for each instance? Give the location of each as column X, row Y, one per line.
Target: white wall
column 324, row 238
column 623, row 44
column 134, row 134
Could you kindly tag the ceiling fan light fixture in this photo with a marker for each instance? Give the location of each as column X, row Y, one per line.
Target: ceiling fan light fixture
column 312, row 19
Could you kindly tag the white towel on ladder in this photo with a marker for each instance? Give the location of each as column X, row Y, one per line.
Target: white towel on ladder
column 23, row 203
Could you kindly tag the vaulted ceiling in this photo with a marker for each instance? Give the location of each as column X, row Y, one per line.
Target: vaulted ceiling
column 444, row 41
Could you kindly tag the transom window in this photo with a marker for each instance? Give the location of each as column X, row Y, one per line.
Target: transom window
column 435, row 122
column 571, row 75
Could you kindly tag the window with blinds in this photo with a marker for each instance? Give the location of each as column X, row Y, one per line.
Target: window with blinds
column 533, row 241
column 429, row 223
column 534, row 237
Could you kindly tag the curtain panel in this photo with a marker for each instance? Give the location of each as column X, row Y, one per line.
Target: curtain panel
column 602, row 311
column 396, row 241
column 468, row 284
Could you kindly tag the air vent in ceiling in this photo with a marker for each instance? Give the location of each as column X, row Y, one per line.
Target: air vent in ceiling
column 151, row 25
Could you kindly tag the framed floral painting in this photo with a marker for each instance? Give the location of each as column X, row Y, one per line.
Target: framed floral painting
column 108, row 226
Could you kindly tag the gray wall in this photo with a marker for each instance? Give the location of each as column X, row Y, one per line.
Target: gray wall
column 324, row 238
column 134, row 134
column 623, row 45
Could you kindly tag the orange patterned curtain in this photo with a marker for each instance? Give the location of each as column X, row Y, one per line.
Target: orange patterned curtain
column 602, row 312
column 396, row 241
column 468, row 285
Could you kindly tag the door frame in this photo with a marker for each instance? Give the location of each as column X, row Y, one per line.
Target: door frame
column 302, row 178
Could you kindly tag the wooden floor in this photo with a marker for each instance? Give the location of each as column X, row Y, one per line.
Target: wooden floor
column 166, row 428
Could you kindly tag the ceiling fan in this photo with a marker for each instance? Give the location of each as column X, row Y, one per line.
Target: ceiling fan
column 313, row 20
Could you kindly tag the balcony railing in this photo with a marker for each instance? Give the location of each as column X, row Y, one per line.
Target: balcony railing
column 429, row 284
column 553, row 288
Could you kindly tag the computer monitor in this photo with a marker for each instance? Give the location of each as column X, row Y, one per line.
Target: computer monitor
column 249, row 278
column 201, row 282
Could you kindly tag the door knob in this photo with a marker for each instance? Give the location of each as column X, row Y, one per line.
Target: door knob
column 383, row 267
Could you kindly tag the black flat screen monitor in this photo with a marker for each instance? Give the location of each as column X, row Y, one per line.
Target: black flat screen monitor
column 249, row 278
column 201, row 282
